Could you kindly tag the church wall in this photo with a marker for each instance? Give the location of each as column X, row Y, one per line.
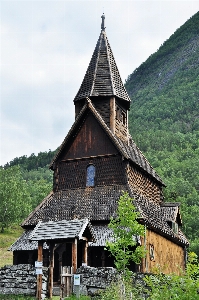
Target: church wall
column 90, row 140
column 103, row 110
column 162, row 252
column 121, row 121
column 144, row 185
column 72, row 174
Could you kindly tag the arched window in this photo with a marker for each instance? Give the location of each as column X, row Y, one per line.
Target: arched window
column 90, row 175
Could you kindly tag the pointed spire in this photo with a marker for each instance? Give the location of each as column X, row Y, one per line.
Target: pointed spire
column 102, row 77
column 103, row 22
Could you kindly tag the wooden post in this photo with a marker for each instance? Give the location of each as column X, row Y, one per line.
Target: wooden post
column 64, row 281
column 112, row 114
column 74, row 255
column 84, row 252
column 39, row 276
column 51, row 266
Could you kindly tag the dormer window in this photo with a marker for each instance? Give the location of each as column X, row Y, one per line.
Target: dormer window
column 174, row 226
column 118, row 113
column 90, row 175
column 123, row 118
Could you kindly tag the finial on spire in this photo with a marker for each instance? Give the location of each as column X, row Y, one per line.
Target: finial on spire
column 103, row 23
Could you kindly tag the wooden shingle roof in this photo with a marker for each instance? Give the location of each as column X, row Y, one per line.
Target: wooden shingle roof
column 102, row 77
column 94, row 203
column 24, row 242
column 155, row 218
column 62, row 230
column 171, row 212
column 100, row 203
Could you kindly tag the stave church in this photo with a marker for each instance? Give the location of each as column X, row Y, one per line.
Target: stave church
column 96, row 162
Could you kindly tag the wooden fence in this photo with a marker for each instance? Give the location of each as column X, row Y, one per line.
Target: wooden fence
column 66, row 282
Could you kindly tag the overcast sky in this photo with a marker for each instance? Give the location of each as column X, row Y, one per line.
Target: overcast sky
column 45, row 49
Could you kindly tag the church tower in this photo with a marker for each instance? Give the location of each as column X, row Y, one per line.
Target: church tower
column 103, row 85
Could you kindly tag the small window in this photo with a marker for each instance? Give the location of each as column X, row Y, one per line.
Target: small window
column 175, row 227
column 118, row 113
column 123, row 118
column 90, row 175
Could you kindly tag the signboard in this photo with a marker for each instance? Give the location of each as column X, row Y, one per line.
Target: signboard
column 77, row 279
column 38, row 271
column 38, row 264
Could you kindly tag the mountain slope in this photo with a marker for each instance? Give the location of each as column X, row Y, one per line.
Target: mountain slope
column 164, row 119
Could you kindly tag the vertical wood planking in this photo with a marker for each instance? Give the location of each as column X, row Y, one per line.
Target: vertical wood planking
column 84, row 252
column 112, row 114
column 167, row 254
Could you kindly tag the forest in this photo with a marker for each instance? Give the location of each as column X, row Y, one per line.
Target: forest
column 163, row 121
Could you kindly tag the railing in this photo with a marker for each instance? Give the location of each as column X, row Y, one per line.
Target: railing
column 66, row 282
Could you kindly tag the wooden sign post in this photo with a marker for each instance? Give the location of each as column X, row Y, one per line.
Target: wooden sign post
column 39, row 276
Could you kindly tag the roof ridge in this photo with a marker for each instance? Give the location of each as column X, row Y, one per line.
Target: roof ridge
column 95, row 71
column 107, row 51
column 68, row 134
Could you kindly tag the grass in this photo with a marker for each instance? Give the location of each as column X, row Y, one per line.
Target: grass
column 7, row 238
column 21, row 297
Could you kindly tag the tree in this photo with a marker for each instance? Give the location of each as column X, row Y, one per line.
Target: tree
column 126, row 228
column 14, row 197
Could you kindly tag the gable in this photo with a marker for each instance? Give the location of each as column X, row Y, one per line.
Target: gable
column 90, row 140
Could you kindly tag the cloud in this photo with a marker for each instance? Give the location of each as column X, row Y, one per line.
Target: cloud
column 46, row 47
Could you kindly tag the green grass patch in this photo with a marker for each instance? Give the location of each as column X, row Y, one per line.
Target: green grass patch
column 16, row 297
column 73, row 297
column 22, row 297
column 7, row 238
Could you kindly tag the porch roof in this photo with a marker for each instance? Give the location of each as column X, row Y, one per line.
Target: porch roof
column 62, row 230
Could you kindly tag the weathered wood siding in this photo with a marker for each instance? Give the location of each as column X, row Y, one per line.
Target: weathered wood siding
column 121, row 122
column 90, row 146
column 72, row 174
column 102, row 105
column 168, row 255
column 90, row 140
column 144, row 185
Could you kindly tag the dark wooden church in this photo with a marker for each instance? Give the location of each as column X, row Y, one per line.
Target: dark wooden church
column 96, row 162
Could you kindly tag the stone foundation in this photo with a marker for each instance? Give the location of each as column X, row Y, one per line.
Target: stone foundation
column 95, row 279
column 21, row 279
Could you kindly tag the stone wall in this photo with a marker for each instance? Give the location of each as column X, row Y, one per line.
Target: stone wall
column 21, row 279
column 95, row 279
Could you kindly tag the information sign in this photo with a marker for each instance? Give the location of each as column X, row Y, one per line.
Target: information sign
column 38, row 264
column 77, row 279
column 38, row 271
